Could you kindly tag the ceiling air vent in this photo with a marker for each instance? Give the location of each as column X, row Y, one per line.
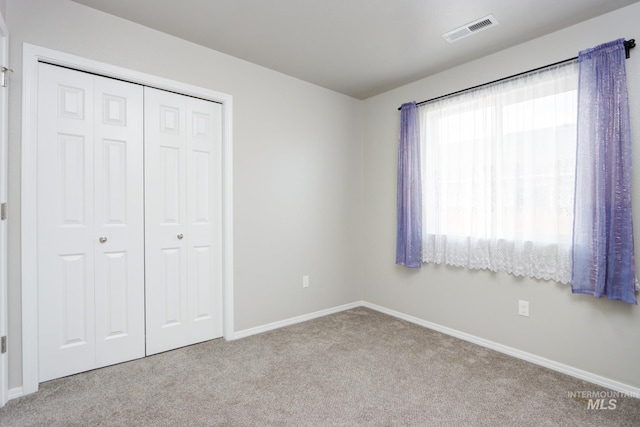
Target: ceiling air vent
column 471, row 28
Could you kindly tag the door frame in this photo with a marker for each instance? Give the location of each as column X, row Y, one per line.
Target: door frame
column 32, row 55
column 4, row 180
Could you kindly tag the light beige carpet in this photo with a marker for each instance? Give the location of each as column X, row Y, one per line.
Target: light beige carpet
column 355, row 368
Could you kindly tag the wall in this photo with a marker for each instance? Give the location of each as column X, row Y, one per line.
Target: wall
column 297, row 162
column 598, row 336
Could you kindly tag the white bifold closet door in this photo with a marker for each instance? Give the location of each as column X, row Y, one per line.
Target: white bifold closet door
column 90, row 222
column 182, row 220
column 129, row 221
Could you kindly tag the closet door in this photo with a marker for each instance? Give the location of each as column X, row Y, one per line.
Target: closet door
column 118, row 218
column 182, row 220
column 90, row 222
column 66, row 312
column 204, row 219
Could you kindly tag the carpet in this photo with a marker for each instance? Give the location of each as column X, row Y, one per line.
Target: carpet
column 354, row 368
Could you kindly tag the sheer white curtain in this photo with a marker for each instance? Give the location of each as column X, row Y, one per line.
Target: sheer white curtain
column 498, row 166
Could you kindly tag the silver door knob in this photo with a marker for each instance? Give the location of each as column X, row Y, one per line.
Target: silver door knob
column 180, row 236
column 102, row 239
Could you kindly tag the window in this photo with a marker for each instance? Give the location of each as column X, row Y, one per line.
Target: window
column 498, row 167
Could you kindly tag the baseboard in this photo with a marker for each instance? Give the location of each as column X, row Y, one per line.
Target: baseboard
column 625, row 389
column 14, row 393
column 293, row 320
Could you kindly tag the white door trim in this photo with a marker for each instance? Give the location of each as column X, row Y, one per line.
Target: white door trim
column 4, row 179
column 31, row 56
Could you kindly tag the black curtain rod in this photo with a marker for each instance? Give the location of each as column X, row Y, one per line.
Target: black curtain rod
column 628, row 45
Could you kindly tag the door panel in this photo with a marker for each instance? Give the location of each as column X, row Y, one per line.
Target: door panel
column 170, row 174
column 182, row 220
column 115, row 181
column 165, row 225
column 65, row 223
column 74, row 300
column 204, row 186
column 90, row 186
column 73, row 180
column 119, row 207
column 202, row 284
column 170, row 295
column 116, row 323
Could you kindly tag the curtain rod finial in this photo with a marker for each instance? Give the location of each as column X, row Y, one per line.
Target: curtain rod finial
column 628, row 45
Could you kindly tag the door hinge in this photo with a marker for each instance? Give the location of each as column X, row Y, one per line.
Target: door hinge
column 4, row 77
column 3, row 344
column 3, row 211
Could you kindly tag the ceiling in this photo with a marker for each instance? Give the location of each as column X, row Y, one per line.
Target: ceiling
column 360, row 48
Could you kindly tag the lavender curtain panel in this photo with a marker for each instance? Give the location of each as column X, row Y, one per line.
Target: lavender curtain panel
column 603, row 254
column 409, row 228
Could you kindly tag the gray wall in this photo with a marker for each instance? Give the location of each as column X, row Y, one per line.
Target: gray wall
column 599, row 336
column 297, row 162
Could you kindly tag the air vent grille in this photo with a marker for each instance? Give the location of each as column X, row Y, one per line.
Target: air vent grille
column 479, row 25
column 471, row 28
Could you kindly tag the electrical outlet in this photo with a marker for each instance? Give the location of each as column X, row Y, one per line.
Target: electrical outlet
column 523, row 308
column 305, row 281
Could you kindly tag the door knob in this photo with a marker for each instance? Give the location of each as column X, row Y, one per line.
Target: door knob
column 102, row 239
column 180, row 236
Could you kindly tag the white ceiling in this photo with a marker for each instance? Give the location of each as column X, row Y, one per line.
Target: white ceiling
column 357, row 47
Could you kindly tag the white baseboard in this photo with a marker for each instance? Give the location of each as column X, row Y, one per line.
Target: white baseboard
column 624, row 389
column 16, row 392
column 293, row 320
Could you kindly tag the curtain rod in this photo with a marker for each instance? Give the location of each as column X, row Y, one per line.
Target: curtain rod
column 628, row 45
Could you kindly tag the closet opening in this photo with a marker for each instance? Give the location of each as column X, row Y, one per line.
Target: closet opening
column 34, row 58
